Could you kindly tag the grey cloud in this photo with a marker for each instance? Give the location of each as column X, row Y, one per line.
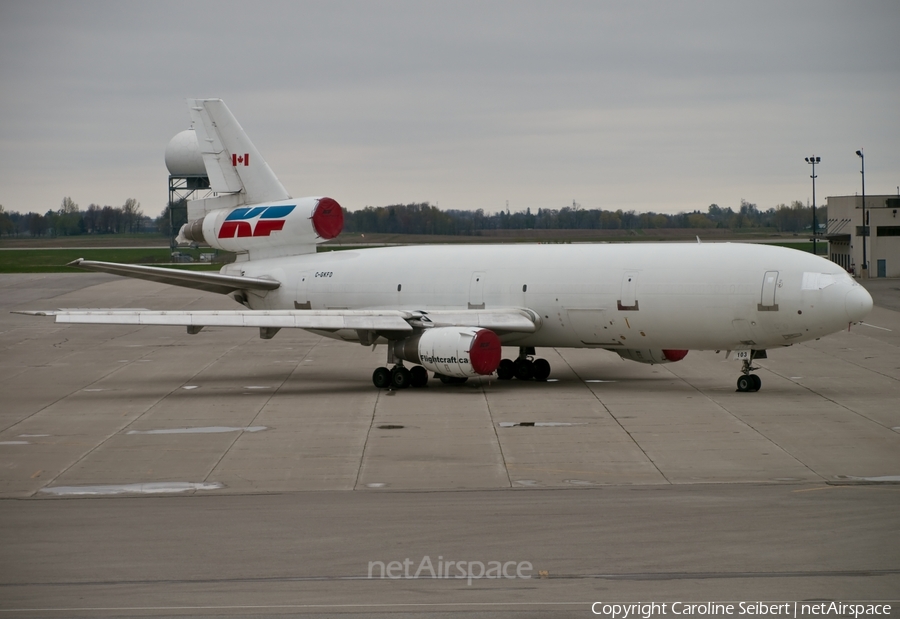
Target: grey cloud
column 646, row 105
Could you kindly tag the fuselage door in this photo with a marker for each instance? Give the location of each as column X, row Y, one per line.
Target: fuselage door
column 767, row 297
column 590, row 325
column 476, row 291
column 301, row 298
column 628, row 298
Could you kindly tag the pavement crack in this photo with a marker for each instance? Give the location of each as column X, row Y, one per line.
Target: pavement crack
column 259, row 411
column 362, row 454
column 614, row 418
column 487, row 403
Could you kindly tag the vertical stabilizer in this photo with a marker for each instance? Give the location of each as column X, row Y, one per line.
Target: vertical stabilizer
column 232, row 162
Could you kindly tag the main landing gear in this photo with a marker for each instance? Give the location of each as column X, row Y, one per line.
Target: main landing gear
column 750, row 382
column 525, row 367
column 400, row 377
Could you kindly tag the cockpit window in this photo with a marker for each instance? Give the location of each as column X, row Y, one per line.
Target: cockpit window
column 817, row 281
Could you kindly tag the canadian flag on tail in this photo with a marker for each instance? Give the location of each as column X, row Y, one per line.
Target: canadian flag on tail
column 237, row 160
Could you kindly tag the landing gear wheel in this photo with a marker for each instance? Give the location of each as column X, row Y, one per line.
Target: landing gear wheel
column 506, row 370
column 400, row 377
column 524, row 369
column 750, row 382
column 419, row 376
column 541, row 369
column 381, row 377
column 757, row 382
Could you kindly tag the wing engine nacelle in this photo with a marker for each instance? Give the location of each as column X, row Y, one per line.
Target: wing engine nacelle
column 652, row 356
column 452, row 351
column 306, row 221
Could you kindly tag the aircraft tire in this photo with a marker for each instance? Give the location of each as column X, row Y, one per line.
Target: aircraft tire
column 524, row 369
column 541, row 369
column 381, row 378
column 419, row 376
column 401, row 378
column 745, row 383
column 506, row 370
column 757, row 382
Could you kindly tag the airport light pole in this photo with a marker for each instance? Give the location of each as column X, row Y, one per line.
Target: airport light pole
column 813, row 161
column 865, row 227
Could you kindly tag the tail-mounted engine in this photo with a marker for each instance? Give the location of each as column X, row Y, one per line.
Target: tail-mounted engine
column 452, row 351
column 652, row 356
column 295, row 223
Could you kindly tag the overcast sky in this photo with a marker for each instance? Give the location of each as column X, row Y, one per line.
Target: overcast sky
column 662, row 106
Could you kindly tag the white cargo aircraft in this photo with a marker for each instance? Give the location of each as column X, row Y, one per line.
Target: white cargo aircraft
column 450, row 308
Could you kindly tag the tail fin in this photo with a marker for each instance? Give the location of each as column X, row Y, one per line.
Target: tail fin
column 232, row 162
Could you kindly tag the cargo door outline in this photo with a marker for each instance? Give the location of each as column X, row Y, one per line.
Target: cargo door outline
column 301, row 298
column 744, row 332
column 476, row 290
column 590, row 325
column 628, row 301
column 767, row 294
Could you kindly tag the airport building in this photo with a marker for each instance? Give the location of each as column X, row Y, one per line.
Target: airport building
column 845, row 234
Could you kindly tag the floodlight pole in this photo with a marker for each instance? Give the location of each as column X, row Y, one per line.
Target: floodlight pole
column 813, row 161
column 865, row 226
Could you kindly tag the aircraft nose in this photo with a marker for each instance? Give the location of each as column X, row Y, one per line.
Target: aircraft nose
column 858, row 303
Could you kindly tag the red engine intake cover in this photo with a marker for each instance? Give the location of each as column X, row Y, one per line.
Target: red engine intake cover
column 328, row 218
column 675, row 355
column 485, row 352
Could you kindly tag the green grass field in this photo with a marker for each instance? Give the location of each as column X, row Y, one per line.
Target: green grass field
column 55, row 260
column 807, row 246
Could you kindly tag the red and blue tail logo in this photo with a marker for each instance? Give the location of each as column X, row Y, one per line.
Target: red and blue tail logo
column 269, row 219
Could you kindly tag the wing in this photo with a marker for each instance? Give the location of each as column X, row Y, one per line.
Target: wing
column 199, row 280
column 510, row 320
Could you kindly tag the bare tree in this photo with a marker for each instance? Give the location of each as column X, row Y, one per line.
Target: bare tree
column 6, row 224
column 68, row 219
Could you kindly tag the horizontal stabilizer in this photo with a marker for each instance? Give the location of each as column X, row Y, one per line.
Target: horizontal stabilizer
column 199, row 280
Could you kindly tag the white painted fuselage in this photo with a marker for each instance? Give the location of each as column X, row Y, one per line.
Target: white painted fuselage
column 688, row 296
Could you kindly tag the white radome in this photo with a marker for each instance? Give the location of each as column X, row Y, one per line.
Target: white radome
column 183, row 156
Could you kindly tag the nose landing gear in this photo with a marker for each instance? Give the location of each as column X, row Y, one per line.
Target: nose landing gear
column 750, row 382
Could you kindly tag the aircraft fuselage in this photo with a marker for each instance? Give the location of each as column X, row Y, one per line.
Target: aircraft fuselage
column 617, row 296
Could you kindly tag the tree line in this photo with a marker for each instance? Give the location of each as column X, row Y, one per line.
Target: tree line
column 70, row 220
column 422, row 218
